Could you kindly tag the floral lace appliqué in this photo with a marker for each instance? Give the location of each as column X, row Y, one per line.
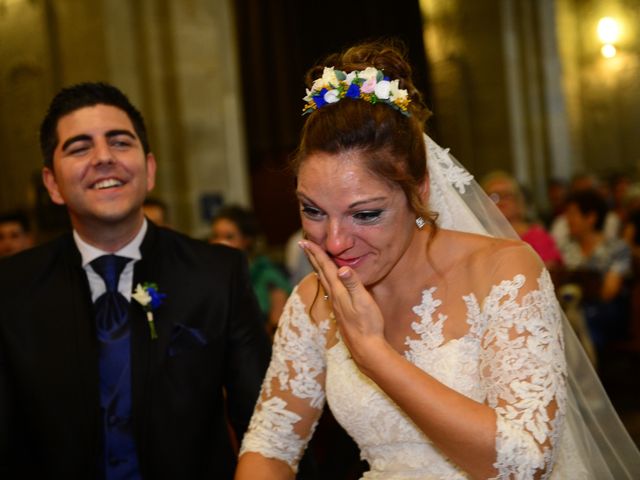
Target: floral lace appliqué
column 298, row 359
column 523, row 372
column 511, row 359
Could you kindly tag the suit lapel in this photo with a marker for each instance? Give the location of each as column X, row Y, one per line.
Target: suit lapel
column 144, row 350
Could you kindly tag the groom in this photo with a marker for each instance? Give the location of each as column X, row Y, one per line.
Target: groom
column 97, row 384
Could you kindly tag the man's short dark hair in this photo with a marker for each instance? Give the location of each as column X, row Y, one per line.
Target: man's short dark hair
column 17, row 216
column 83, row 95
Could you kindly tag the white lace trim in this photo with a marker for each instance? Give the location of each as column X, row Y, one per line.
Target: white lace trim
column 271, row 433
column 447, row 182
column 525, row 374
column 298, row 359
column 455, row 175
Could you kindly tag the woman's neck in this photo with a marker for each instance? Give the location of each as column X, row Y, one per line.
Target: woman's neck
column 411, row 271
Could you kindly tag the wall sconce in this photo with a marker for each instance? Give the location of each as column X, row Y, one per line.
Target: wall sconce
column 609, row 33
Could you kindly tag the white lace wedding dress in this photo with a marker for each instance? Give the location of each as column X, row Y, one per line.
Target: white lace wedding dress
column 511, row 358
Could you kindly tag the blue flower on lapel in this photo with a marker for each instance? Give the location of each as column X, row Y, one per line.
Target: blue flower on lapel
column 150, row 298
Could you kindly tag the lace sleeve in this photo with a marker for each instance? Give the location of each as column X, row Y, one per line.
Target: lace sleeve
column 292, row 395
column 523, row 367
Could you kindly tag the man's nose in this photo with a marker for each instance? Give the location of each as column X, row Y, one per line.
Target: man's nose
column 103, row 152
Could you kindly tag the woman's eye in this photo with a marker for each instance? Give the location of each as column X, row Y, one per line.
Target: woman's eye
column 311, row 212
column 369, row 216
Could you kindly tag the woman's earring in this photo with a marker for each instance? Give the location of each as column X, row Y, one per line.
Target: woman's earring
column 420, row 223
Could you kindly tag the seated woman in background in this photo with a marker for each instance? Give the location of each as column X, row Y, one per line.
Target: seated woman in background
column 237, row 227
column 600, row 265
column 505, row 191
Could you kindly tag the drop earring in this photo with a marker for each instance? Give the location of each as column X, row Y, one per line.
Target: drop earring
column 420, row 223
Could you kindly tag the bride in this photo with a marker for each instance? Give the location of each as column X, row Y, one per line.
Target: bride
column 437, row 342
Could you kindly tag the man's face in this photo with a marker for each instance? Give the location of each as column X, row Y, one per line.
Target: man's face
column 100, row 171
column 13, row 238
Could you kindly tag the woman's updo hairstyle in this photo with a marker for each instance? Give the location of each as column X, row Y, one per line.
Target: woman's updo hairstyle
column 393, row 142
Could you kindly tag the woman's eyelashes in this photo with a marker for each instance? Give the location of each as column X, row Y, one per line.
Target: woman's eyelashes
column 368, row 216
column 311, row 212
column 363, row 217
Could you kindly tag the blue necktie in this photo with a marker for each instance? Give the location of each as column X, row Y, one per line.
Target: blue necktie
column 119, row 460
column 111, row 307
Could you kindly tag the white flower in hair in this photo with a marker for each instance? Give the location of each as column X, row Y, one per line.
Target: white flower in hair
column 309, row 95
column 329, row 77
column 395, row 91
column 368, row 85
column 318, row 84
column 332, row 96
column 382, row 89
column 369, row 73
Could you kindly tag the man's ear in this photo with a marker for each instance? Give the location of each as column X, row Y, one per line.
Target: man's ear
column 151, row 171
column 49, row 180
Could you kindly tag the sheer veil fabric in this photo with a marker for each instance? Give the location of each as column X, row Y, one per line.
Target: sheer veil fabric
column 594, row 443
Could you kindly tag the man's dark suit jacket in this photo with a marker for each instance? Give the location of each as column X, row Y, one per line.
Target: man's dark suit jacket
column 210, row 346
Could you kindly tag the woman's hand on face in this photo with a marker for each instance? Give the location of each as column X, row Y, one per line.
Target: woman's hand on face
column 358, row 316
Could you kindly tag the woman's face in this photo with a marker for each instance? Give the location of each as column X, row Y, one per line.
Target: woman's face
column 358, row 219
column 226, row 232
column 579, row 224
column 505, row 195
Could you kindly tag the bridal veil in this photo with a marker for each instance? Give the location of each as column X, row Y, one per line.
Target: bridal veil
column 594, row 443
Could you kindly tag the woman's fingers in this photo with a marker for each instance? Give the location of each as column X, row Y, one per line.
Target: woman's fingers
column 322, row 264
column 350, row 280
column 336, row 282
column 305, row 245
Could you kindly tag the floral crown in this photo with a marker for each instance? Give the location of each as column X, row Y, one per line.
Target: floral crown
column 369, row 84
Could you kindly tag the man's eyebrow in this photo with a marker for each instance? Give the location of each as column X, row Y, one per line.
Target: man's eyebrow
column 115, row 133
column 84, row 137
column 77, row 138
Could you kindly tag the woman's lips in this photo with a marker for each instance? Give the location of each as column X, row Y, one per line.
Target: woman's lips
column 348, row 262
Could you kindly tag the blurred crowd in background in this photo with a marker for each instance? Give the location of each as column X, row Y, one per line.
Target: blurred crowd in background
column 588, row 236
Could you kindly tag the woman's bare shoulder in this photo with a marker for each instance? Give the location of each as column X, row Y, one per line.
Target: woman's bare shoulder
column 483, row 251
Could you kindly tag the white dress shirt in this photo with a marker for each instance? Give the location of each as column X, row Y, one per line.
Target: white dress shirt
column 90, row 253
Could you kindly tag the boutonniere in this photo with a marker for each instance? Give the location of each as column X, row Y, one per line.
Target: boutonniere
column 150, row 298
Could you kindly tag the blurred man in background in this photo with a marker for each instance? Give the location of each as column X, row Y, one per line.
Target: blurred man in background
column 15, row 233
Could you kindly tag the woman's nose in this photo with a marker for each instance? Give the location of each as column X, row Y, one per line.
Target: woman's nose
column 338, row 239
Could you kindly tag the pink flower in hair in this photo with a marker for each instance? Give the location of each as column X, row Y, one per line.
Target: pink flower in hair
column 369, row 85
